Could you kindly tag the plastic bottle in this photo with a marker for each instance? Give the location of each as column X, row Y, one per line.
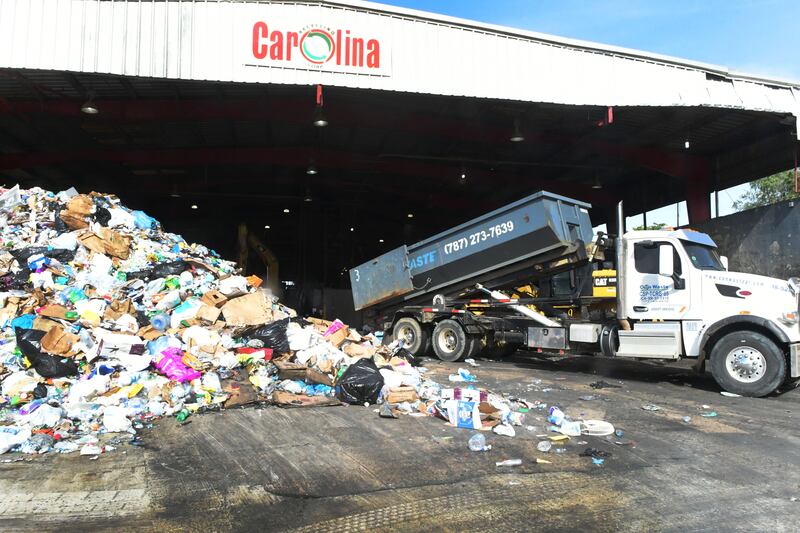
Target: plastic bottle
column 509, row 462
column 544, row 446
column 556, row 416
column 160, row 321
column 477, row 443
column 182, row 415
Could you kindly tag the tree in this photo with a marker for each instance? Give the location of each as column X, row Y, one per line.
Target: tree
column 657, row 225
column 768, row 191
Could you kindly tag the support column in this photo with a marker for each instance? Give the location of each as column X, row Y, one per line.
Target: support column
column 698, row 201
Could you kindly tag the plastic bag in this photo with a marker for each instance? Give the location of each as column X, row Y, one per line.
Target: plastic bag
column 45, row 365
column 361, row 383
column 272, row 335
column 161, row 270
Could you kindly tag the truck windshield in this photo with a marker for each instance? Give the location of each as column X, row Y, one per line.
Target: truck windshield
column 703, row 257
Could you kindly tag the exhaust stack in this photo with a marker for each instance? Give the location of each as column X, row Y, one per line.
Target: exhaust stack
column 620, row 266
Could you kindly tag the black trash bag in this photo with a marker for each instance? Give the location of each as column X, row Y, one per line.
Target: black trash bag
column 361, row 383
column 47, row 366
column 101, row 215
column 407, row 356
column 16, row 281
column 273, row 335
column 59, row 225
column 161, row 270
column 40, row 391
column 23, row 254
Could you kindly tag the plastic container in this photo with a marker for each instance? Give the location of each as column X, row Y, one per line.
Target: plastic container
column 544, row 446
column 556, row 416
column 477, row 443
column 160, row 321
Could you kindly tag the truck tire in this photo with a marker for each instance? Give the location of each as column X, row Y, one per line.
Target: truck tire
column 417, row 338
column 748, row 363
column 451, row 342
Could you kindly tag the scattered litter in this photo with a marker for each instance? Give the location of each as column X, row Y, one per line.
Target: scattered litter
column 594, row 452
column 730, row 394
column 504, row 429
column 587, row 398
column 544, row 446
column 477, row 443
column 603, row 385
column 509, row 462
column 598, row 461
column 651, row 407
column 710, row 414
column 687, row 419
column 462, row 376
column 598, row 428
column 471, row 362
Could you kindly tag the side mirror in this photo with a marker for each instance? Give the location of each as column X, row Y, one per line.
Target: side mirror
column 665, row 264
column 724, row 260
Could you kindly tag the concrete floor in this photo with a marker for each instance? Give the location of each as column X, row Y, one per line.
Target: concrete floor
column 345, row 469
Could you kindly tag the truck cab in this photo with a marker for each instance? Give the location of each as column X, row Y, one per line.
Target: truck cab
column 679, row 300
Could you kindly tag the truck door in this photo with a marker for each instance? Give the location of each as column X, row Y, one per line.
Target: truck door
column 650, row 295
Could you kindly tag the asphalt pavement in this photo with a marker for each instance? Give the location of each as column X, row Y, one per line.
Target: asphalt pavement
column 346, row 469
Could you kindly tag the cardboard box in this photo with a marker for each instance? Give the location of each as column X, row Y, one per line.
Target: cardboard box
column 298, row 371
column 339, row 336
column 402, row 394
column 214, row 299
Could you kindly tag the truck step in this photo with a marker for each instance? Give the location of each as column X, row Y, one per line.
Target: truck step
column 656, row 341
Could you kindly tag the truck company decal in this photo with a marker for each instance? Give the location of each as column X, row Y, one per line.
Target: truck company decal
column 316, row 47
column 654, row 293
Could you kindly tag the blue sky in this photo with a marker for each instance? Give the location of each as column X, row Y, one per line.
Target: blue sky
column 754, row 36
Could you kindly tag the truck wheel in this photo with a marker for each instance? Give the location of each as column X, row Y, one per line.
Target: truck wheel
column 748, row 363
column 451, row 343
column 416, row 338
column 609, row 340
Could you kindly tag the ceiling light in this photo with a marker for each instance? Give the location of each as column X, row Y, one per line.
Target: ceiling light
column 89, row 108
column 597, row 184
column 266, row 227
column 311, row 170
column 194, row 206
column 516, row 136
column 308, row 198
column 462, row 179
column 319, row 118
column 410, row 215
column 286, row 210
column 175, row 195
column 686, row 144
column 352, row 229
column 380, row 240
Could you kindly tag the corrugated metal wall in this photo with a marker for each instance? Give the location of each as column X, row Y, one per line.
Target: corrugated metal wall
column 209, row 40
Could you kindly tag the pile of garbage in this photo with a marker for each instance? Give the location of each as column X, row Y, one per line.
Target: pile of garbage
column 109, row 322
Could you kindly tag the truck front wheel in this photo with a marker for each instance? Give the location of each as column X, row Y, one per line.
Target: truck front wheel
column 748, row 363
column 416, row 338
column 451, row 342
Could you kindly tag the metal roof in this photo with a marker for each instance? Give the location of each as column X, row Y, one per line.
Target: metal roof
column 418, row 52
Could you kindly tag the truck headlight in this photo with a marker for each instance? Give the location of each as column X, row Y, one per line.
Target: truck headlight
column 789, row 318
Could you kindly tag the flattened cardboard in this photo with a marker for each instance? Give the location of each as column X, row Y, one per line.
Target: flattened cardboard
column 247, row 310
column 286, row 399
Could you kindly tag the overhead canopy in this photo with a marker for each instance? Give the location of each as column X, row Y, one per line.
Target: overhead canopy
column 211, row 103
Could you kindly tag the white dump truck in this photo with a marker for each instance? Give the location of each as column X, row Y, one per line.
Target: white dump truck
column 531, row 275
